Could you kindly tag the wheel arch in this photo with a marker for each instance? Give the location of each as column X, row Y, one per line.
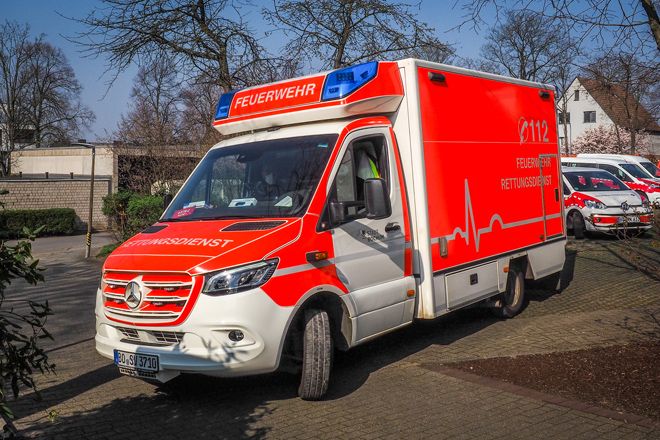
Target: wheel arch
column 522, row 265
column 339, row 313
column 569, row 217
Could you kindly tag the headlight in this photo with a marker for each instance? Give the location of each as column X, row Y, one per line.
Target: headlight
column 239, row 278
column 653, row 185
column 595, row 204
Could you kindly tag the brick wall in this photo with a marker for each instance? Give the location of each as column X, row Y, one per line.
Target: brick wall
column 59, row 193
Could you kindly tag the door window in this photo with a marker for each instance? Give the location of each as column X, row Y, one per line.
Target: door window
column 616, row 171
column 365, row 158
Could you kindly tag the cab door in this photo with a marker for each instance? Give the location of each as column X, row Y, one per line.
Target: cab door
column 370, row 253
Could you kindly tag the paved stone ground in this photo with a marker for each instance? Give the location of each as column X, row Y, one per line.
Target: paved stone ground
column 390, row 388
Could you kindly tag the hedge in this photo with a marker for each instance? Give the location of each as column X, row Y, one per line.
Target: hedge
column 131, row 212
column 56, row 221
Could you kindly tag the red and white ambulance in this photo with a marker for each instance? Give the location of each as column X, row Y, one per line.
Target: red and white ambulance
column 596, row 201
column 343, row 208
column 631, row 173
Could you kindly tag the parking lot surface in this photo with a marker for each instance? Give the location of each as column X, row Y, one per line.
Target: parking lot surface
column 390, row 388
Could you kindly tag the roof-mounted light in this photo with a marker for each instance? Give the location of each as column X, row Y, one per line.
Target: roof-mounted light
column 343, row 82
column 224, row 104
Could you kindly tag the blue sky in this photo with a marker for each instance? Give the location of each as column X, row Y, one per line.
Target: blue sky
column 109, row 104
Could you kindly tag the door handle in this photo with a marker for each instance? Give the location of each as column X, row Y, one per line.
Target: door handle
column 390, row 227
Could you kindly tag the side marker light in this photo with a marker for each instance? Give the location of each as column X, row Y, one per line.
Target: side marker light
column 316, row 256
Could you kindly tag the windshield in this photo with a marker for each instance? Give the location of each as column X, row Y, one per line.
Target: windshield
column 594, row 181
column 634, row 170
column 265, row 179
column 648, row 166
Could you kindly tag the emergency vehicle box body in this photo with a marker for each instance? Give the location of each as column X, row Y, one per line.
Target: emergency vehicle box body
column 469, row 178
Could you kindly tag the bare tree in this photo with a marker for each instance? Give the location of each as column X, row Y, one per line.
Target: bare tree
column 634, row 24
column 527, row 46
column 200, row 101
column 338, row 33
column 52, row 97
column 15, row 55
column 150, row 148
column 625, row 86
column 480, row 64
column 155, row 115
column 200, row 36
column 565, row 73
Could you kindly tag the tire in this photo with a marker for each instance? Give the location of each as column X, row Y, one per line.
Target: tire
column 512, row 299
column 317, row 355
column 578, row 226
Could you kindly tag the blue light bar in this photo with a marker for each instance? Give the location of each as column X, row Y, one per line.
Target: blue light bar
column 223, row 105
column 343, row 82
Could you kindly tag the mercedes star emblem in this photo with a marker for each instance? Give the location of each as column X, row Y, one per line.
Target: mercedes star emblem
column 133, row 295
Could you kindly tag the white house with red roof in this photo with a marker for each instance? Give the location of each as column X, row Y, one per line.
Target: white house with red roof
column 591, row 103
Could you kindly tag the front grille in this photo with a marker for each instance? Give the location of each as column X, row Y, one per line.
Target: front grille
column 129, row 333
column 163, row 298
column 137, row 373
column 149, row 337
column 168, row 337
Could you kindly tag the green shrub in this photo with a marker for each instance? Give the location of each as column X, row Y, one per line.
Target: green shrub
column 143, row 211
column 114, row 207
column 20, row 330
column 131, row 212
column 55, row 221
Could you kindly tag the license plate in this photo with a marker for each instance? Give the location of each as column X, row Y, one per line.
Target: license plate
column 631, row 219
column 136, row 361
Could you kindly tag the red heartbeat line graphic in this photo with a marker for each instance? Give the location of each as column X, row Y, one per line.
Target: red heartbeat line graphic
column 477, row 233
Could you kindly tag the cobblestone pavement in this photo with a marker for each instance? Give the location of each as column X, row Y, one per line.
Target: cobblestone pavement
column 386, row 389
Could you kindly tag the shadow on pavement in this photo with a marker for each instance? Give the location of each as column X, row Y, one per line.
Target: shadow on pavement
column 191, row 406
column 542, row 290
column 194, row 406
column 202, row 412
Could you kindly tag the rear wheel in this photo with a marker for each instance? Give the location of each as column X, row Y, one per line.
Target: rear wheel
column 317, row 355
column 578, row 226
column 511, row 300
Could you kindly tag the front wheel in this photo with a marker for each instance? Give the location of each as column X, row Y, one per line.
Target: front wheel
column 512, row 299
column 317, row 355
column 578, row 226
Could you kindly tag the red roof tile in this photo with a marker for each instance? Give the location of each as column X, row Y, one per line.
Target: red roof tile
column 613, row 99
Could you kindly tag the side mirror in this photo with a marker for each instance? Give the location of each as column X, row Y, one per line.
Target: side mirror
column 377, row 199
column 337, row 213
column 167, row 199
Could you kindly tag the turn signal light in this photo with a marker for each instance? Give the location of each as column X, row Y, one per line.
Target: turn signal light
column 316, row 256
